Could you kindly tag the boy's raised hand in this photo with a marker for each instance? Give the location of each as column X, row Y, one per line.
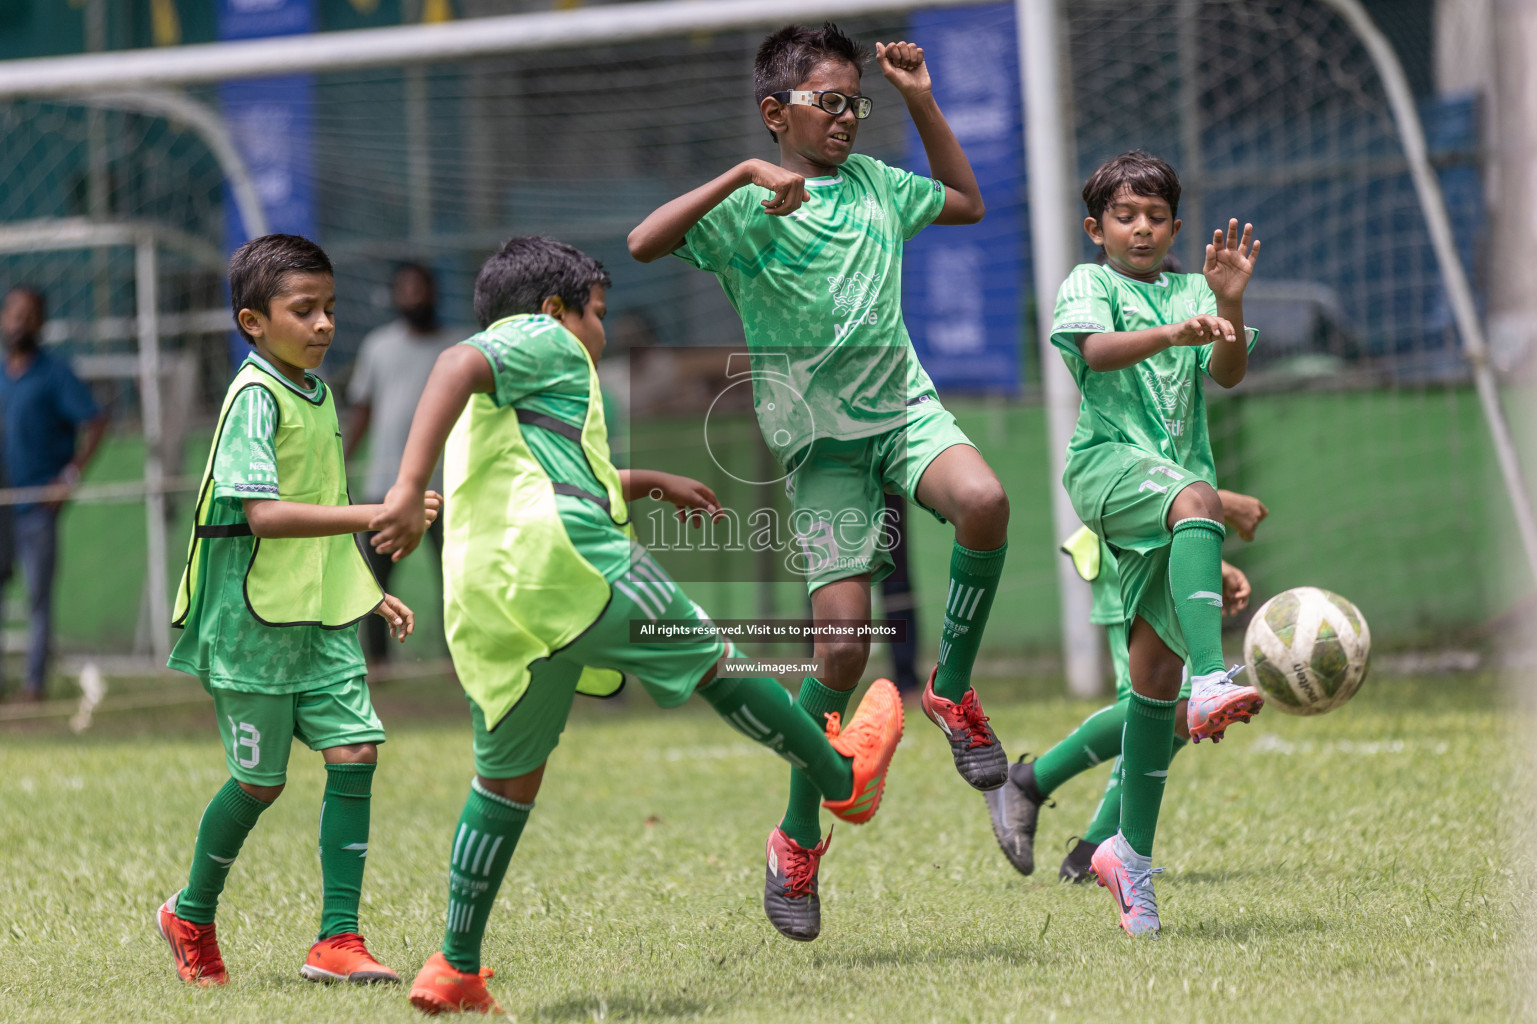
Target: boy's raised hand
column 788, row 187
column 903, row 66
column 1230, row 261
column 401, row 619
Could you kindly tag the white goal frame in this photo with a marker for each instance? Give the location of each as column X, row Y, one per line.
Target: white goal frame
column 1043, row 84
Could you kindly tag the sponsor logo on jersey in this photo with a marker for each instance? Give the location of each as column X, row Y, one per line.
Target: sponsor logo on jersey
column 853, row 291
column 1172, row 393
column 854, row 296
column 873, row 208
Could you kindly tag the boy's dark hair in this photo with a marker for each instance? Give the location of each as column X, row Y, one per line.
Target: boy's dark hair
column 258, row 269
column 1140, row 173
column 528, row 269
column 787, row 57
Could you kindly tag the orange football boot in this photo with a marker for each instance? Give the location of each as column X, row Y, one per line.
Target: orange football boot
column 440, row 987
column 194, row 946
column 870, row 738
column 343, row 957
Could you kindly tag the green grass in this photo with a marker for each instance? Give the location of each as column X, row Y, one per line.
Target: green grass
column 1357, row 867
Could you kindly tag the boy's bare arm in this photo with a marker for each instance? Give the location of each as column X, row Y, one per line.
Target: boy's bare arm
column 663, row 231
column 1229, row 263
column 274, row 518
column 688, row 495
column 460, row 372
column 1116, row 350
column 904, row 68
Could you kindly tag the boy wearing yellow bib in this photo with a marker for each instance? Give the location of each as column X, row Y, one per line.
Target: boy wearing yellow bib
column 543, row 585
column 269, row 603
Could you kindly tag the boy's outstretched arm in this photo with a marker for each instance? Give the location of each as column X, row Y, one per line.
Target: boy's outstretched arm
column 1229, row 263
column 663, row 231
column 460, row 372
column 687, row 494
column 271, row 518
column 903, row 66
column 1116, row 350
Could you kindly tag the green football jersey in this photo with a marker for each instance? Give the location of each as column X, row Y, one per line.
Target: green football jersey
column 820, row 297
column 1157, row 405
column 541, row 371
column 221, row 642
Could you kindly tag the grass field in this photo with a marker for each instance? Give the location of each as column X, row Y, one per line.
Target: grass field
column 1358, row 867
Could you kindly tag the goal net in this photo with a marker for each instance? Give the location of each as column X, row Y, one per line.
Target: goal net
column 1358, row 426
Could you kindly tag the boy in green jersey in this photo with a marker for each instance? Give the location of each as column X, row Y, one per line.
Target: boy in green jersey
column 546, row 594
column 1014, row 806
column 268, row 607
column 809, row 251
column 1140, row 475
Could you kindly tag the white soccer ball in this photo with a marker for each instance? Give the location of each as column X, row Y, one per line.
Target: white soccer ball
column 1307, row 650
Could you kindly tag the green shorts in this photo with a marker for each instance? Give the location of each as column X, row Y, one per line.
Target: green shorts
column 258, row 729
column 1123, row 494
column 836, row 490
column 668, row 671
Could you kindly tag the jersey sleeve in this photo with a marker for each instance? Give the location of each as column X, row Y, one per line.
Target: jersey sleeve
column 245, row 465
column 917, row 200
column 1083, row 307
column 529, row 361
column 709, row 244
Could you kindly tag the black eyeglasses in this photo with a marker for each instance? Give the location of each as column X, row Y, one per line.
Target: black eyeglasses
column 834, row 103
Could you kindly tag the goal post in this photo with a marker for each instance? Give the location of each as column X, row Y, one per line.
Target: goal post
column 434, row 141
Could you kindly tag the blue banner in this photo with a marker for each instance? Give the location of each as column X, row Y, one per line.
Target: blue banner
column 962, row 293
column 272, row 122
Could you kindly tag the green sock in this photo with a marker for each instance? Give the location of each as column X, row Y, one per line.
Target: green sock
column 802, row 821
column 228, row 819
column 489, row 827
column 1097, row 740
column 1195, row 578
column 762, row 710
column 343, row 845
column 1146, row 748
column 1107, row 817
column 973, row 582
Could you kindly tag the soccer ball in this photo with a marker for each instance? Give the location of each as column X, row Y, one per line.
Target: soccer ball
column 1307, row 650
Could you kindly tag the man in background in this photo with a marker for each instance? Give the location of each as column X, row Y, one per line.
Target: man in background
column 387, row 380
column 52, row 428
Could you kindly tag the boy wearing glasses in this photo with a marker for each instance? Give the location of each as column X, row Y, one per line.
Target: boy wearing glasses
column 809, row 251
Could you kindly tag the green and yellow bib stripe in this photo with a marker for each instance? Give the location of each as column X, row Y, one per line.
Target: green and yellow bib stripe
column 290, row 581
column 515, row 587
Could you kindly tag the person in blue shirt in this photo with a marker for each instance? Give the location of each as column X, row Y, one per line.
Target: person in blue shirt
column 52, row 427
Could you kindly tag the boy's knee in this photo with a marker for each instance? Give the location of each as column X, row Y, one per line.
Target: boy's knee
column 1161, row 684
column 521, row 789
column 352, row 753
column 266, row 794
column 981, row 514
column 1182, row 720
column 843, row 662
column 1198, row 501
